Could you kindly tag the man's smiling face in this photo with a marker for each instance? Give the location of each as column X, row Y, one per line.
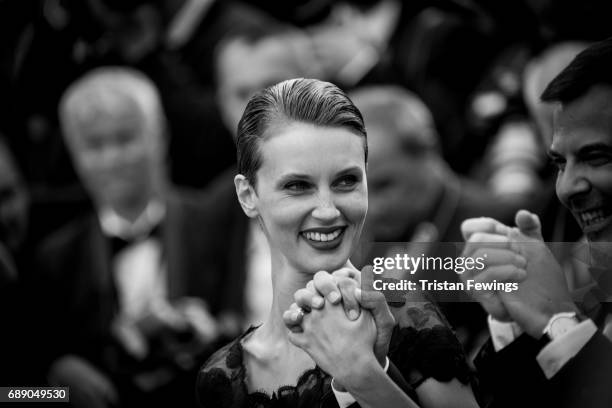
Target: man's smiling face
column 582, row 151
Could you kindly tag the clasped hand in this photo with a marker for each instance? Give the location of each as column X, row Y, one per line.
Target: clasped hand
column 338, row 324
column 516, row 254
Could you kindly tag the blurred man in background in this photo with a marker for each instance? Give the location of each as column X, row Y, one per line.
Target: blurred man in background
column 246, row 62
column 410, row 183
column 415, row 197
column 124, row 290
column 255, row 58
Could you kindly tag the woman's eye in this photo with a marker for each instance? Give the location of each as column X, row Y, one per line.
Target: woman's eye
column 297, row 185
column 348, row 181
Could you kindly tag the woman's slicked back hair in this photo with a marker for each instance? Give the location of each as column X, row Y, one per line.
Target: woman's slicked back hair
column 300, row 100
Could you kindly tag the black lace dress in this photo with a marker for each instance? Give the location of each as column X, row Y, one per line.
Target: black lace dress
column 418, row 352
column 222, row 383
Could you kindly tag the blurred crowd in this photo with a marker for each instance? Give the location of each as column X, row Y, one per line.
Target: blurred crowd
column 117, row 120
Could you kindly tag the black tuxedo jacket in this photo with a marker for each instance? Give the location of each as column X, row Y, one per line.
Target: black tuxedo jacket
column 73, row 298
column 513, row 378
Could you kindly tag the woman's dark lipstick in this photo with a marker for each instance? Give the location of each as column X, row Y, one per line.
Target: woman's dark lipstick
column 324, row 238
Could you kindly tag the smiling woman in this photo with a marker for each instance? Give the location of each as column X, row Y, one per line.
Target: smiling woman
column 310, row 195
column 302, row 155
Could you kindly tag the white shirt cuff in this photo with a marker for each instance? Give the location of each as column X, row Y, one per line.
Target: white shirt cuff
column 559, row 351
column 344, row 398
column 503, row 333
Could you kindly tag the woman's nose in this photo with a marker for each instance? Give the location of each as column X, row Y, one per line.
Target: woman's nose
column 326, row 209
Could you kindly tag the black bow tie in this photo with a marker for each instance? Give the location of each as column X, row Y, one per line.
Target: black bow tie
column 118, row 244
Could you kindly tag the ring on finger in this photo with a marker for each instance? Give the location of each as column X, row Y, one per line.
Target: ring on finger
column 298, row 314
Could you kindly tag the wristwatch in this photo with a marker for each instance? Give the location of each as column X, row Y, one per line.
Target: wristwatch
column 560, row 324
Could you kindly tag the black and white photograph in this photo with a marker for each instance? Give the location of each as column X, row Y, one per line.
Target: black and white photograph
column 306, row 203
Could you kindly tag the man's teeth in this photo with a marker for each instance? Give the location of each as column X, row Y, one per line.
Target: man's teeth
column 317, row 236
column 592, row 217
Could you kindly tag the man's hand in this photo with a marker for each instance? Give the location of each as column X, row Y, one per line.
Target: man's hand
column 544, row 292
column 517, row 255
column 488, row 239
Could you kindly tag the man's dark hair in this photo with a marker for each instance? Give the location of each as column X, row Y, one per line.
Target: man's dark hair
column 591, row 67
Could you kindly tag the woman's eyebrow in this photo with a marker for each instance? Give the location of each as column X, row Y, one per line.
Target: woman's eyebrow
column 351, row 169
column 292, row 176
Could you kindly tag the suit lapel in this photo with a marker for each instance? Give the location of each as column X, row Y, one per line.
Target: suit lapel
column 171, row 236
column 94, row 282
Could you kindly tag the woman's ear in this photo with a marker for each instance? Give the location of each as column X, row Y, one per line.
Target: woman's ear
column 246, row 196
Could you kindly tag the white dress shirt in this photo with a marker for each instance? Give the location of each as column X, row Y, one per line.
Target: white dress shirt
column 139, row 272
column 556, row 353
